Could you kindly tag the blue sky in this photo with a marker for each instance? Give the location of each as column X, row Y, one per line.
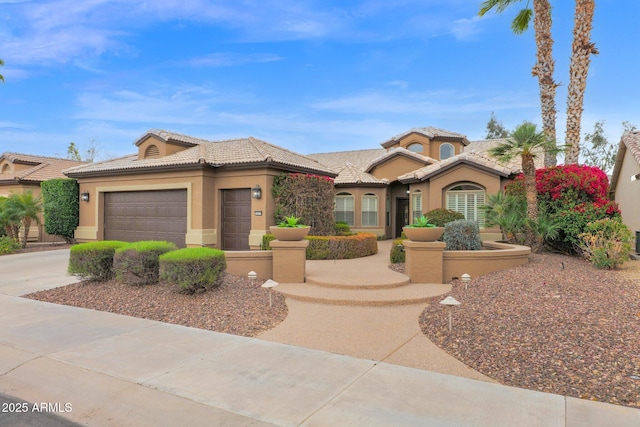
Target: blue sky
column 311, row 76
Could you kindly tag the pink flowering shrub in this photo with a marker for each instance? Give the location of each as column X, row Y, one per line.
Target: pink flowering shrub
column 571, row 196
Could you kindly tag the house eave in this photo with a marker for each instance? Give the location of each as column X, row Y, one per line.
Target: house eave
column 415, row 178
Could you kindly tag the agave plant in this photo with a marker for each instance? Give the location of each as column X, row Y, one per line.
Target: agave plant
column 291, row 222
column 422, row 222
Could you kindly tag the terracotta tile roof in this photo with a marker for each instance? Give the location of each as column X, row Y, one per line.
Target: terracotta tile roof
column 630, row 140
column 400, row 152
column 468, row 158
column 171, row 136
column 215, row 153
column 43, row 167
column 481, row 148
column 351, row 165
column 430, row 132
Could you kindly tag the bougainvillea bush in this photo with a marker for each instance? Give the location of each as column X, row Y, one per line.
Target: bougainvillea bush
column 571, row 196
column 308, row 197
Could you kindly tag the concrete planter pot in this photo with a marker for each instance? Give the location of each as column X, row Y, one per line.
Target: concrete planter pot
column 423, row 234
column 289, row 233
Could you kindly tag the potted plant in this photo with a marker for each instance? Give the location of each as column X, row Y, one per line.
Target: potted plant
column 290, row 229
column 423, row 231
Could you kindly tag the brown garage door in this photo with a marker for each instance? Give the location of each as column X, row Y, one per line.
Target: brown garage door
column 146, row 215
column 236, row 219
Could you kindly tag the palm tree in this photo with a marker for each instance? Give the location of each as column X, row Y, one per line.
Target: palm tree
column 527, row 143
column 582, row 49
column 29, row 208
column 1, row 76
column 544, row 67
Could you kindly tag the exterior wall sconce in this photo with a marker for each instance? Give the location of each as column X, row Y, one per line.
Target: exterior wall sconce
column 84, row 196
column 256, row 192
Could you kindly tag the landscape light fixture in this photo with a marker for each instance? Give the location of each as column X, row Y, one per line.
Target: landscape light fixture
column 252, row 277
column 85, row 196
column 269, row 284
column 466, row 279
column 449, row 302
column 256, row 192
column 635, row 177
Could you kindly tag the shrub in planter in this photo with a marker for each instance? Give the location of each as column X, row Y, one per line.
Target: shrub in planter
column 397, row 255
column 9, row 245
column 606, row 243
column 138, row 264
column 462, row 235
column 266, row 239
column 342, row 229
column 94, row 260
column 442, row 216
column 193, row 269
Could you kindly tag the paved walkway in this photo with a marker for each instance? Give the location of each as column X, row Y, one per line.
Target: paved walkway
column 102, row 369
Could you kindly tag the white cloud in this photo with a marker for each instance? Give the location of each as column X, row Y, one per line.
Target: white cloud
column 227, row 59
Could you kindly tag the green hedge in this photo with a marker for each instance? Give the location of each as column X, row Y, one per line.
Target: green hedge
column 441, row 216
column 397, row 255
column 61, row 214
column 138, row 263
column 94, row 260
column 335, row 247
column 193, row 269
column 9, row 245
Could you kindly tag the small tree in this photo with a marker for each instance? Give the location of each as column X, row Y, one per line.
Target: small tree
column 28, row 207
column 61, row 216
column 9, row 219
column 495, row 128
column 600, row 152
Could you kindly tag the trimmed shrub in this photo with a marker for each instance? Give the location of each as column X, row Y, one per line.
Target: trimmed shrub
column 606, row 243
column 342, row 247
column 193, row 270
column 397, row 255
column 462, row 235
column 138, row 263
column 442, row 216
column 61, row 213
column 9, row 245
column 335, row 247
column 342, row 229
column 93, row 260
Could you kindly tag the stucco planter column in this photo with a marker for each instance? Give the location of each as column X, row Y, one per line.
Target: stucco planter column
column 289, row 260
column 424, row 261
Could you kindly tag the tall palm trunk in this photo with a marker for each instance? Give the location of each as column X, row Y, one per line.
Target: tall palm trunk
column 582, row 49
column 544, row 69
column 26, row 225
column 529, row 172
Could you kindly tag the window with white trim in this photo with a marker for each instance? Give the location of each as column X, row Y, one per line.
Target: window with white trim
column 344, row 208
column 416, row 205
column 467, row 199
column 446, row 150
column 369, row 210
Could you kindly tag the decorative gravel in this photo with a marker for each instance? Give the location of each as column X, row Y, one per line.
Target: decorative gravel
column 556, row 325
column 237, row 307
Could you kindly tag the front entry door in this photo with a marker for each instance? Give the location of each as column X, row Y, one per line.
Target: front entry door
column 236, row 219
column 402, row 214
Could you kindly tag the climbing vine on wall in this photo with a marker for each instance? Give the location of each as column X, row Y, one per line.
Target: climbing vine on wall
column 309, row 197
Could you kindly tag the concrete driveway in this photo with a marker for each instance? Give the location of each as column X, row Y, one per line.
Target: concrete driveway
column 21, row 274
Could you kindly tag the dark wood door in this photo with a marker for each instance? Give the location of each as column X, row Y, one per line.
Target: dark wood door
column 402, row 214
column 236, row 219
column 132, row 216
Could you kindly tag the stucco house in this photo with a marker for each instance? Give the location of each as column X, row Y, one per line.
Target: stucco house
column 197, row 192
column 23, row 172
column 625, row 180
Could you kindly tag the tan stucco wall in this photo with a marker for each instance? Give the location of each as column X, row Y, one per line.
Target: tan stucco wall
column 627, row 193
column 164, row 148
column 431, row 147
column 395, row 167
column 357, row 193
column 477, row 263
column 204, row 210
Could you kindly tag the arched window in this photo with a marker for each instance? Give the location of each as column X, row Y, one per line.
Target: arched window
column 152, row 152
column 369, row 210
column 416, row 147
column 416, row 205
column 467, row 199
column 446, row 151
column 344, row 208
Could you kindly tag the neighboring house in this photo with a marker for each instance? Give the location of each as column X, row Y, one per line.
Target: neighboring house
column 625, row 180
column 22, row 172
column 196, row 192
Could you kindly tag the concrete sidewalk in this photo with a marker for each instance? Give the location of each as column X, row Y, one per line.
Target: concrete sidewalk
column 102, row 369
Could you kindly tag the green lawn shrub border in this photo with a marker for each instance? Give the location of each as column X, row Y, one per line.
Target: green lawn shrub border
column 193, row 270
column 9, row 245
column 138, row 263
column 335, row 247
column 94, row 260
column 397, row 255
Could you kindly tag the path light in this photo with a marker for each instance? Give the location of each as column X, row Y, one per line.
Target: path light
column 449, row 302
column 252, row 277
column 270, row 284
column 466, row 279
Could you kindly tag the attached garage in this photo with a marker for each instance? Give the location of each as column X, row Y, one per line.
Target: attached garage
column 131, row 216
